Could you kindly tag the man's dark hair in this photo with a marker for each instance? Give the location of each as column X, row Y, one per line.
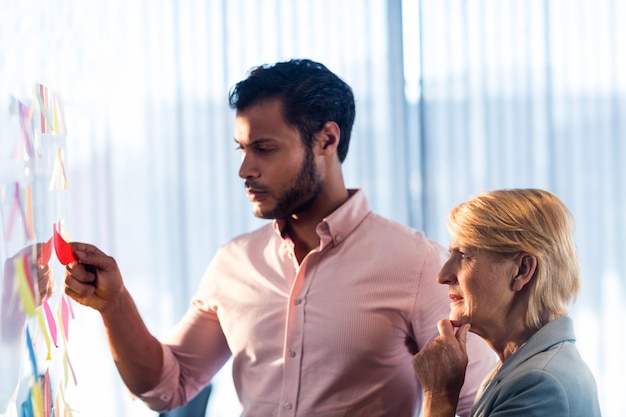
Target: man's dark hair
column 311, row 95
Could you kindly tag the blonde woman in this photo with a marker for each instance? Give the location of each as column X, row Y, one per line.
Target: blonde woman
column 513, row 270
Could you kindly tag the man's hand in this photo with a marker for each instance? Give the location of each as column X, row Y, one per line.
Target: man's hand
column 94, row 280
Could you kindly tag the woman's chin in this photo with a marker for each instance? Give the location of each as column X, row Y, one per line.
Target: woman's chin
column 458, row 320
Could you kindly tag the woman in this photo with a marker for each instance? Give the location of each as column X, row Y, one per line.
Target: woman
column 512, row 271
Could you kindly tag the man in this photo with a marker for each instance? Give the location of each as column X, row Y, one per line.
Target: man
column 316, row 308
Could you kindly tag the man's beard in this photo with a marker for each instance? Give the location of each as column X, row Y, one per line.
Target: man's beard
column 301, row 193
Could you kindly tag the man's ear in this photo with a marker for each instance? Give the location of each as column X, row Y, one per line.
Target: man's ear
column 328, row 137
column 526, row 267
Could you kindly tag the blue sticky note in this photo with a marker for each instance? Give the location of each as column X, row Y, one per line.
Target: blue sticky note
column 31, row 352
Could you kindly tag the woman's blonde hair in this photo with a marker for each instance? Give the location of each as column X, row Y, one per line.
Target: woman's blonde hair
column 509, row 222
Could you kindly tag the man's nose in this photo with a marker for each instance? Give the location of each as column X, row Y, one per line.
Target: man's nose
column 248, row 168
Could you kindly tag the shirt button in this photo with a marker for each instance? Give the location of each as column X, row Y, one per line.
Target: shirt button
column 292, row 353
column 297, row 301
column 287, row 406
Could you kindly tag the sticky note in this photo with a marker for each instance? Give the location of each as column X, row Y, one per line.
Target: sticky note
column 64, row 251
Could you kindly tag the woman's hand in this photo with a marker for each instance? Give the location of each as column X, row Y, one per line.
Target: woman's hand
column 440, row 367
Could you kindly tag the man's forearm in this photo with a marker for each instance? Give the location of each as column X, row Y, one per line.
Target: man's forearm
column 137, row 353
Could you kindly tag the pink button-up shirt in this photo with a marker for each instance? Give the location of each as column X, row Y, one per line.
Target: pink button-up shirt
column 326, row 337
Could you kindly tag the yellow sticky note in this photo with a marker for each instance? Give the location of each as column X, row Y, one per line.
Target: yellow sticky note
column 44, row 331
column 37, row 399
column 25, row 291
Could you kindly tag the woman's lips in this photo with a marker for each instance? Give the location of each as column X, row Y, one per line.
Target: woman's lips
column 455, row 298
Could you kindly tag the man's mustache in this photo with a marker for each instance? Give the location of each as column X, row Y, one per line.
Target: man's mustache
column 255, row 186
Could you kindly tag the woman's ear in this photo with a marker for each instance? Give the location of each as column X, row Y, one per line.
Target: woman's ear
column 526, row 267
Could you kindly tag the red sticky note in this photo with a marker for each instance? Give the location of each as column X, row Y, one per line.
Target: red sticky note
column 46, row 252
column 64, row 251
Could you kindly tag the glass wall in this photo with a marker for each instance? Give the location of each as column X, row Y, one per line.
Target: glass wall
column 453, row 98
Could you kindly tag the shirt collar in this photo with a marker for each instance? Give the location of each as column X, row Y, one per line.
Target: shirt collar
column 340, row 223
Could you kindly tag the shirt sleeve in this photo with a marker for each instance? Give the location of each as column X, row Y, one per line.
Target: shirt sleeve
column 192, row 355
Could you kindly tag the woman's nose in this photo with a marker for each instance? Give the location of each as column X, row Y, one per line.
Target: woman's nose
column 447, row 274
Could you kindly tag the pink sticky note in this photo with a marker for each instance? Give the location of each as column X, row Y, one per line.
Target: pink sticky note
column 64, row 307
column 51, row 323
column 47, row 395
column 64, row 251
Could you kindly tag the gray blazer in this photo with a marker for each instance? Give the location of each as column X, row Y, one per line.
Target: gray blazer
column 545, row 377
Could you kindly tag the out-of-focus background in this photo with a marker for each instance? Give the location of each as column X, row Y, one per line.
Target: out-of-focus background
column 453, row 98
